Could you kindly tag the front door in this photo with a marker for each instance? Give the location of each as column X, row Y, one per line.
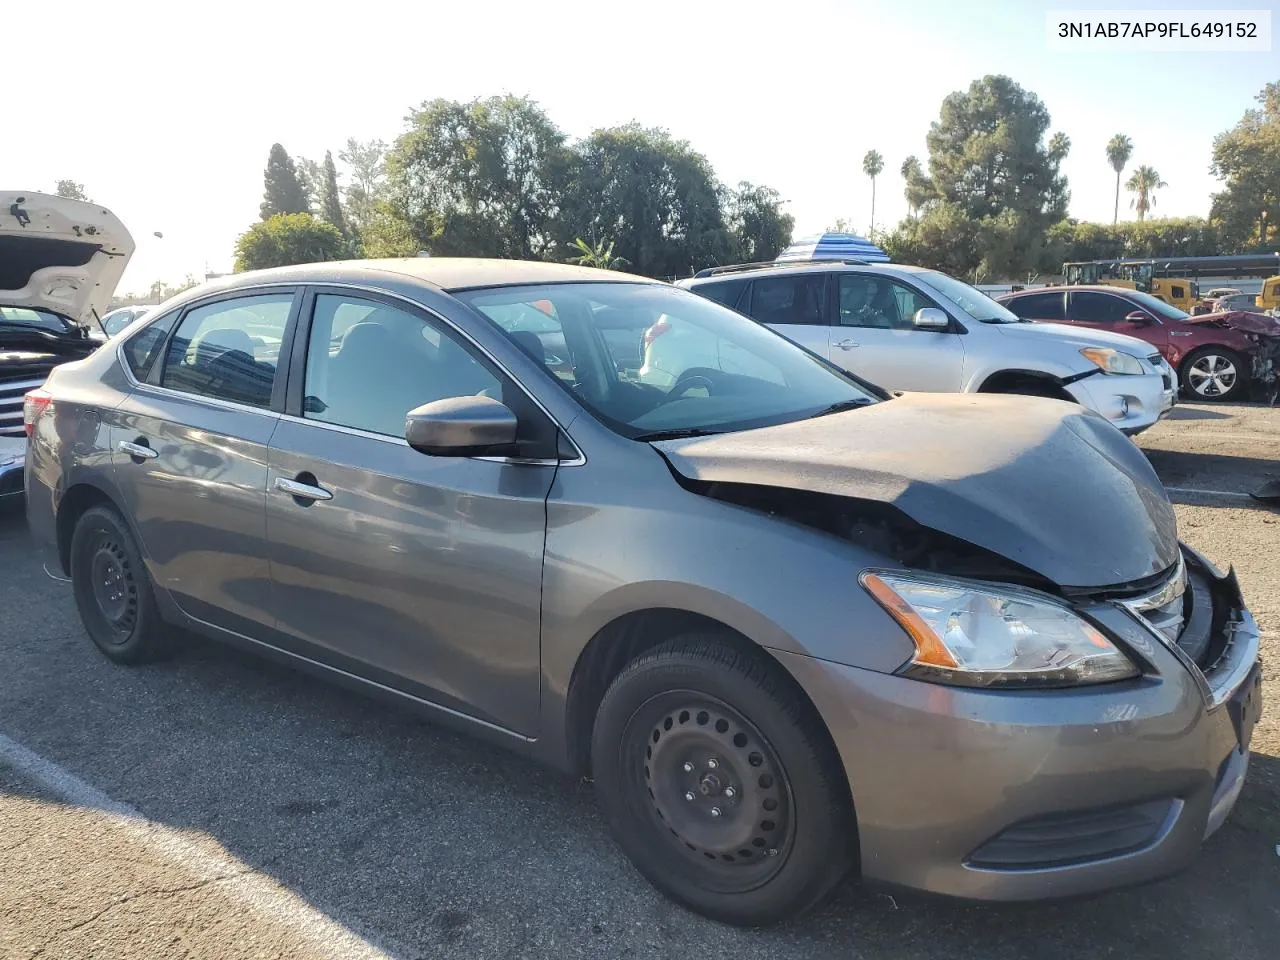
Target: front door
column 421, row 573
column 189, row 450
column 875, row 338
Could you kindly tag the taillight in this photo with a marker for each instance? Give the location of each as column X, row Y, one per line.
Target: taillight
column 655, row 331
column 33, row 405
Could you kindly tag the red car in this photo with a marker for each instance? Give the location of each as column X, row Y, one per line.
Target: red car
column 1218, row 356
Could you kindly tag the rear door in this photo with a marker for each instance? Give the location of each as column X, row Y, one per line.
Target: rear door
column 795, row 305
column 189, row 450
column 1047, row 307
column 874, row 336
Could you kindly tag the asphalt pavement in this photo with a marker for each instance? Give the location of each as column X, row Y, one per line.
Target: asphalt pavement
column 219, row 806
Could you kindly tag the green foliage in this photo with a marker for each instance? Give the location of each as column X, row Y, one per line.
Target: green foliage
column 1168, row 237
column 287, row 238
column 283, row 192
column 657, row 197
column 330, row 202
column 758, row 229
column 479, row 178
column 872, row 165
column 993, row 182
column 599, row 255
column 1119, row 150
column 71, row 190
column 1144, row 183
column 1247, row 157
column 367, row 171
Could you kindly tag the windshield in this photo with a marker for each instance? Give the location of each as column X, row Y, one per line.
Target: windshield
column 969, row 299
column 651, row 360
column 1157, row 306
column 41, row 319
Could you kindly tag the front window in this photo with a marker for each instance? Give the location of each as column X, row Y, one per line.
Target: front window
column 651, row 360
column 1157, row 306
column 869, row 300
column 971, row 300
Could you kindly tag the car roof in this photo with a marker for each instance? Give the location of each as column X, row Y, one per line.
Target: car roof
column 814, row 266
column 444, row 273
column 1063, row 288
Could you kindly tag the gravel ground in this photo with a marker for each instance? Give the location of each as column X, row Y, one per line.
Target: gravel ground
column 217, row 806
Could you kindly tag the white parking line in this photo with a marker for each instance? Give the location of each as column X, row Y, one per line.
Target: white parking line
column 264, row 897
column 1192, row 491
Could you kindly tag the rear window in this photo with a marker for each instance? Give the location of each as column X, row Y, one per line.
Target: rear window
column 727, row 292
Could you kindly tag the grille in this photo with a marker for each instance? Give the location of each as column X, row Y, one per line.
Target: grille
column 1166, row 375
column 1065, row 839
column 11, row 394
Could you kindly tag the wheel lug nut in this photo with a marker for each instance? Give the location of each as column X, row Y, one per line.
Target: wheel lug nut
column 688, row 767
column 689, row 795
column 730, row 792
column 713, row 763
column 715, row 811
column 772, row 852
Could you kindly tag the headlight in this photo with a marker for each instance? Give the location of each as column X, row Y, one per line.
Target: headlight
column 1113, row 361
column 978, row 636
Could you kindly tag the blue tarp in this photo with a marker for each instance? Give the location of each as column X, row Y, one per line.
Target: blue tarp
column 830, row 246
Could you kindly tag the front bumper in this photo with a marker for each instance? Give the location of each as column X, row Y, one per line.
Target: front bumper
column 1027, row 795
column 1131, row 403
column 11, row 465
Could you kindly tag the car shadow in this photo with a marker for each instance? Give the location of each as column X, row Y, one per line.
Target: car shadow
column 1226, row 473
column 1197, row 413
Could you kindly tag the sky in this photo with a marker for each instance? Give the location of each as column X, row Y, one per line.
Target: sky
column 166, row 111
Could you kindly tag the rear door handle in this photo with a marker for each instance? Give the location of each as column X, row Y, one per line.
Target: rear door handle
column 303, row 491
column 846, row 344
column 138, row 451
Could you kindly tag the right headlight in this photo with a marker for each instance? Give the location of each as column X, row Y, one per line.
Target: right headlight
column 1113, row 361
column 978, row 636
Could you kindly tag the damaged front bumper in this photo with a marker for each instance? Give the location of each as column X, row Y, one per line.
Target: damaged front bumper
column 1033, row 794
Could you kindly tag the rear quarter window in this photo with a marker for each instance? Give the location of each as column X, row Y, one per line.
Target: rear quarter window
column 143, row 348
column 728, row 292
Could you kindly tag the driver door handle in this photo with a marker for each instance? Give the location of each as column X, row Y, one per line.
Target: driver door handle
column 303, row 491
column 137, row 450
column 845, row 344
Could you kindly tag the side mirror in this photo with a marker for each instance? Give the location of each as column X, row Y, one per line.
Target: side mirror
column 1138, row 317
column 461, row 427
column 930, row 318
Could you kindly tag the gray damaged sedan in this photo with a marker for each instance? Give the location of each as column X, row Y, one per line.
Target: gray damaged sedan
column 790, row 625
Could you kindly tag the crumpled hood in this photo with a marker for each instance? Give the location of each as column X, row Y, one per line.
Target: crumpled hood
column 1045, row 484
column 61, row 255
column 1242, row 320
column 1078, row 336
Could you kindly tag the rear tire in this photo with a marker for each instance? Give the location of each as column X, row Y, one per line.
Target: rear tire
column 113, row 591
column 1214, row 375
column 720, row 783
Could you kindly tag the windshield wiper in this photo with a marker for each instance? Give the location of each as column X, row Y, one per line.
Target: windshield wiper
column 679, row 434
column 842, row 406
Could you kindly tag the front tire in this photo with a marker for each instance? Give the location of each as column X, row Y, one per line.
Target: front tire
column 1215, row 375
column 113, row 591
column 718, row 780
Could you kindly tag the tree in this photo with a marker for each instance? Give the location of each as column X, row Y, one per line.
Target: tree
column 282, row 190
column 656, row 197
column 287, row 238
column 1143, row 184
column 367, row 169
column 989, row 164
column 1119, row 150
column 914, row 178
column 758, row 229
column 71, row 190
column 330, row 200
column 311, row 176
column 478, row 179
column 1247, row 157
column 599, row 255
column 872, row 165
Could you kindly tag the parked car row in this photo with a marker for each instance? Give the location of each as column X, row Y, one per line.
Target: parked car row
column 791, row 625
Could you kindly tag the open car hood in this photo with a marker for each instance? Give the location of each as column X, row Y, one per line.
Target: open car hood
column 1242, row 320
column 1044, row 484
column 61, row 255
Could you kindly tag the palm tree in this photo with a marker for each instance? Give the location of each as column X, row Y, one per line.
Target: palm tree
column 1144, row 182
column 598, row 255
column 872, row 164
column 1119, row 150
column 911, row 173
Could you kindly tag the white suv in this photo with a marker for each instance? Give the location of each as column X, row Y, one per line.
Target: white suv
column 911, row 329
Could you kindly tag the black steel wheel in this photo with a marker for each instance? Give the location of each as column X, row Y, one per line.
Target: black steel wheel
column 720, row 782
column 112, row 590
